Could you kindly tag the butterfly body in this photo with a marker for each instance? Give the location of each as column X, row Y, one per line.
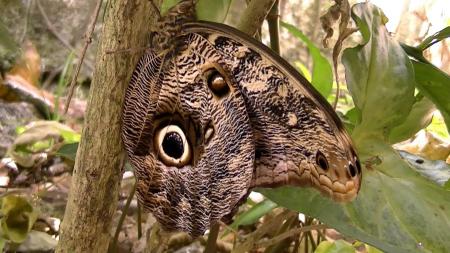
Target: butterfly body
column 214, row 113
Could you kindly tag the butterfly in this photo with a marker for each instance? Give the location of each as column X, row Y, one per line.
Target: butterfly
column 211, row 113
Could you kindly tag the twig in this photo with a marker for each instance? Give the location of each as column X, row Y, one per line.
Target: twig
column 88, row 40
column 344, row 32
column 254, row 15
column 27, row 16
column 122, row 218
column 139, row 220
column 288, row 234
column 53, row 30
column 273, row 20
column 211, row 245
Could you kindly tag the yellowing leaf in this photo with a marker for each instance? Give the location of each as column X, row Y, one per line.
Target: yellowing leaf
column 18, row 218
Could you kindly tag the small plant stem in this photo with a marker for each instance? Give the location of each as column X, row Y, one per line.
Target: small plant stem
column 88, row 40
column 288, row 234
column 273, row 20
column 211, row 244
column 122, row 218
column 254, row 15
column 139, row 220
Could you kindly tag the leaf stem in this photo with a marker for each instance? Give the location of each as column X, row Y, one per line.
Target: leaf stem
column 211, row 245
column 254, row 15
column 273, row 20
column 122, row 218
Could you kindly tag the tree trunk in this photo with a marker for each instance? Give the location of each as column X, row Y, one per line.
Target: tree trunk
column 98, row 166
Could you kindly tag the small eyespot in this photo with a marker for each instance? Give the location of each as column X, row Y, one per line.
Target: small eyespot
column 172, row 146
column 321, row 160
column 352, row 170
column 419, row 161
column 217, row 83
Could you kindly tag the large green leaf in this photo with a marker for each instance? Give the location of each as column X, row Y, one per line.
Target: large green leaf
column 418, row 118
column 379, row 75
column 322, row 74
column 209, row 10
column 254, row 213
column 397, row 210
column 435, row 84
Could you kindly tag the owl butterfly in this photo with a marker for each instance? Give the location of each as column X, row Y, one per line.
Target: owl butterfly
column 211, row 113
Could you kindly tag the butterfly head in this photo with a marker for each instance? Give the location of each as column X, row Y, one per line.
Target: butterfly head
column 335, row 166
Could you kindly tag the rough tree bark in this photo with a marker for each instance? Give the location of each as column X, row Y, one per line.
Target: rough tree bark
column 98, row 166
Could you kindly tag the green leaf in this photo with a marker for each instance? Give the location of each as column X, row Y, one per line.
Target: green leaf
column 303, row 70
column 209, row 10
column 354, row 115
column 418, row 118
column 447, row 185
column 40, row 136
column 437, row 170
column 213, row 10
column 414, row 52
column 322, row 73
column 2, row 244
column 167, row 4
column 254, row 213
column 68, row 151
column 379, row 75
column 434, row 84
column 371, row 249
column 338, row 246
column 435, row 38
column 18, row 218
column 397, row 210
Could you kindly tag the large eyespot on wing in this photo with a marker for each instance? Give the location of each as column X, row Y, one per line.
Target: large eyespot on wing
column 172, row 146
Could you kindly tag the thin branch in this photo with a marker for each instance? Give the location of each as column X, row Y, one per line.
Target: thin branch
column 27, row 17
column 139, row 220
column 122, row 218
column 288, row 234
column 88, row 40
column 273, row 20
column 254, row 15
column 211, row 244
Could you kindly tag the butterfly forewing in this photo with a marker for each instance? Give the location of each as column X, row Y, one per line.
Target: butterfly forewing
column 299, row 139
